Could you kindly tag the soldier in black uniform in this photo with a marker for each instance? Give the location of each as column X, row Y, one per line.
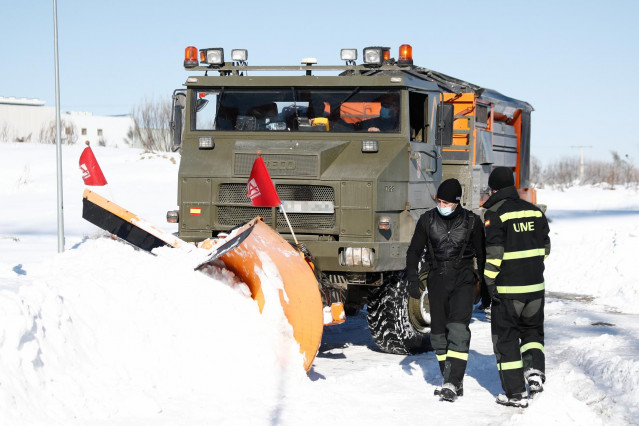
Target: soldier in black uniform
column 517, row 243
column 448, row 238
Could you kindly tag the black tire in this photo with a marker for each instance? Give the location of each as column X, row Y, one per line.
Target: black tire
column 398, row 323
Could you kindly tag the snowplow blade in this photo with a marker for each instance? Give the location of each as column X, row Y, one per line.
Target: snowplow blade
column 272, row 269
column 263, row 258
column 125, row 225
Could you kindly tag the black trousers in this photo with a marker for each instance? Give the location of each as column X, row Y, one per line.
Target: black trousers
column 451, row 290
column 518, row 339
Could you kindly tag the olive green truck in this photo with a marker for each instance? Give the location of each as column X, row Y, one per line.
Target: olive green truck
column 356, row 153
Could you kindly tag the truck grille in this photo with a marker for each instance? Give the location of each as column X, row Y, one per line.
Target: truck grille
column 235, row 193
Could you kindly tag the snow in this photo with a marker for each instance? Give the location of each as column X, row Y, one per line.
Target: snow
column 103, row 334
column 595, row 237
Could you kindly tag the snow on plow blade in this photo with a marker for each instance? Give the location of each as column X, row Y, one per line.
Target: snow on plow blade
column 263, row 253
column 255, row 253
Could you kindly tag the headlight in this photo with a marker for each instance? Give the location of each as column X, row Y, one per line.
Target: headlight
column 373, row 56
column 172, row 216
column 212, row 56
column 205, row 142
column 370, row 145
column 239, row 55
column 348, row 54
column 384, row 223
column 356, row 256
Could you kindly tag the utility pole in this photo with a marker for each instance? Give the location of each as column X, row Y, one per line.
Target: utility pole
column 58, row 137
column 581, row 164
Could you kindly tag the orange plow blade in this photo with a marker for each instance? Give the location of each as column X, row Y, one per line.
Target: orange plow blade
column 272, row 268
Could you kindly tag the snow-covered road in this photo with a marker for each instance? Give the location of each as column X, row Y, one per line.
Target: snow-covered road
column 593, row 376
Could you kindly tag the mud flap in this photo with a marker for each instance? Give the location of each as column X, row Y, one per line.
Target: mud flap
column 252, row 252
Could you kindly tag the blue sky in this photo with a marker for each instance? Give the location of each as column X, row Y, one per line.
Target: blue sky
column 576, row 62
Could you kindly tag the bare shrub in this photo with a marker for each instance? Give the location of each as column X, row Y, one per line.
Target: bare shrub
column 69, row 134
column 564, row 173
column 535, row 172
column 4, row 132
column 26, row 138
column 151, row 124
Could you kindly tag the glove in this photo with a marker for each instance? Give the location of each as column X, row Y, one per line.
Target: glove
column 415, row 288
column 494, row 297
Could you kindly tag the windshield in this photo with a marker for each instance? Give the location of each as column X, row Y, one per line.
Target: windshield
column 286, row 109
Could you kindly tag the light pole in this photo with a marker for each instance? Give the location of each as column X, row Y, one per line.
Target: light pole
column 58, row 136
column 581, row 163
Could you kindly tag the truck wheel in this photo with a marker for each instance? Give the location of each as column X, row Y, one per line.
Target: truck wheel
column 398, row 323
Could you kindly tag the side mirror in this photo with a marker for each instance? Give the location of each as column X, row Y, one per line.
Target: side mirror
column 201, row 103
column 177, row 118
column 445, row 118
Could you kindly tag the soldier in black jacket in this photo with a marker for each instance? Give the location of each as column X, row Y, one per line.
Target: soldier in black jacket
column 448, row 238
column 517, row 243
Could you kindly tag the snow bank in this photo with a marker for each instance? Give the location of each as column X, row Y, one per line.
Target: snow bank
column 108, row 332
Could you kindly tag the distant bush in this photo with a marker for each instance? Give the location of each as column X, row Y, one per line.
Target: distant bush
column 68, row 133
column 4, row 132
column 151, row 124
column 567, row 172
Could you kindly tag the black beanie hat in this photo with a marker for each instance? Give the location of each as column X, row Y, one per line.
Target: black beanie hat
column 500, row 178
column 450, row 190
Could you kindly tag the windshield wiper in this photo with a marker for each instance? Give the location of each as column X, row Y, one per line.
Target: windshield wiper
column 346, row 99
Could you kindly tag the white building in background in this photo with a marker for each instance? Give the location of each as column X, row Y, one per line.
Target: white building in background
column 26, row 120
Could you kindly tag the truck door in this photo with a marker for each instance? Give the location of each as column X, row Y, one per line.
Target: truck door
column 425, row 155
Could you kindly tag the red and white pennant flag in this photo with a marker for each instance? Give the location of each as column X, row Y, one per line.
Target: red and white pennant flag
column 91, row 172
column 260, row 188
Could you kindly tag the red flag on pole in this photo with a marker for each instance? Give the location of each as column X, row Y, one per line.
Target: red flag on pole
column 91, row 172
column 260, row 188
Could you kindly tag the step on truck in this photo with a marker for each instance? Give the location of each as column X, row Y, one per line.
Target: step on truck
column 356, row 153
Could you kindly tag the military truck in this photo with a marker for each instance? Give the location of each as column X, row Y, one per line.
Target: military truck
column 356, row 153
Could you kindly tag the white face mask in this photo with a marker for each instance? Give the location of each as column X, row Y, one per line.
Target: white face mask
column 445, row 211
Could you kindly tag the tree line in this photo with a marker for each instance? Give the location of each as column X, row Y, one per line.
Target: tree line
column 567, row 172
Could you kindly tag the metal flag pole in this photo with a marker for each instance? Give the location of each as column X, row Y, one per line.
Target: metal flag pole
column 58, row 137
